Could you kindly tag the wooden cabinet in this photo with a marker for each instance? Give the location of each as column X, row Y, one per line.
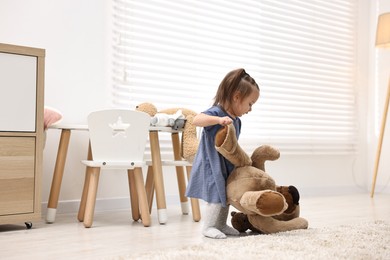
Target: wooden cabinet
column 21, row 132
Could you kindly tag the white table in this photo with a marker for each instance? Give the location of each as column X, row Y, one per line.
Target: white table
column 154, row 179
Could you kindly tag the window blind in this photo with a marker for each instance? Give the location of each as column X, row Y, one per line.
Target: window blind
column 301, row 53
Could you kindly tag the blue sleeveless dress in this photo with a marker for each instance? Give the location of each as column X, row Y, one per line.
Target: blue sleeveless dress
column 210, row 169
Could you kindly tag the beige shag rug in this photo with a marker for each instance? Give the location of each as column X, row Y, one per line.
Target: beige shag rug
column 364, row 241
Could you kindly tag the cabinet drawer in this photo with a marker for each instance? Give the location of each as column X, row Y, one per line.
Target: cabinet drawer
column 17, row 173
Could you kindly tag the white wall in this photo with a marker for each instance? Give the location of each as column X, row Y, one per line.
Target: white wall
column 76, row 36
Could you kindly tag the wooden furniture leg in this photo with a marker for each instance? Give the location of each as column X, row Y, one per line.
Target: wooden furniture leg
column 194, row 202
column 133, row 195
column 158, row 177
column 91, row 196
column 83, row 201
column 196, row 216
column 380, row 141
column 57, row 176
column 149, row 187
column 143, row 202
column 181, row 182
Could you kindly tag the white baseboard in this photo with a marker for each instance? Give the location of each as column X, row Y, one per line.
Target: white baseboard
column 339, row 190
column 329, row 191
column 72, row 206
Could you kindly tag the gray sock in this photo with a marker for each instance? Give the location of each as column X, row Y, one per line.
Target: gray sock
column 210, row 221
column 221, row 223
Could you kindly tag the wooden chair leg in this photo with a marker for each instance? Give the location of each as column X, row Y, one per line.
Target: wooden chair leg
column 133, row 195
column 143, row 202
column 91, row 196
column 149, row 186
column 194, row 202
column 83, row 201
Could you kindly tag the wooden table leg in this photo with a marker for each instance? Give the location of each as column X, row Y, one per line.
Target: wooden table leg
column 194, row 202
column 181, row 182
column 158, row 178
column 57, row 175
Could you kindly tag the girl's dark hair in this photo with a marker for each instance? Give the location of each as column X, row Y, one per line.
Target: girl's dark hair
column 236, row 80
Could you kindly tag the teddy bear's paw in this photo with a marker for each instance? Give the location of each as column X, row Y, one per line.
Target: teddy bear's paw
column 220, row 136
column 226, row 144
column 189, row 149
column 265, row 203
column 262, row 154
column 301, row 223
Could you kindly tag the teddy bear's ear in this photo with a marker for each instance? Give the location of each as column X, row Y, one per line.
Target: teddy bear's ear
column 294, row 193
column 291, row 195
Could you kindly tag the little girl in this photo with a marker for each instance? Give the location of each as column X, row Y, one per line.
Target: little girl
column 235, row 96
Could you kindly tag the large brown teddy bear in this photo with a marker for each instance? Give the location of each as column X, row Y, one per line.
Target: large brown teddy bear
column 253, row 192
column 189, row 138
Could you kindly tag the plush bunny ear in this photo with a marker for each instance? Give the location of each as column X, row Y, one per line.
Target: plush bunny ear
column 226, row 144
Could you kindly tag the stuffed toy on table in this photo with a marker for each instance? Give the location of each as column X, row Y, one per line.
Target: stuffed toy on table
column 173, row 117
column 264, row 206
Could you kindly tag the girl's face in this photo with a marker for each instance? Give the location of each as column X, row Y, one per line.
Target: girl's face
column 243, row 106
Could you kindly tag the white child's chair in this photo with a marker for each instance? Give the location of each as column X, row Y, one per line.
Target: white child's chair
column 117, row 141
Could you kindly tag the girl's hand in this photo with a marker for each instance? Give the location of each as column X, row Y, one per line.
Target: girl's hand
column 225, row 120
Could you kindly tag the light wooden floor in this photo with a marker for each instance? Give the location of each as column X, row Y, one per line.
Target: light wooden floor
column 114, row 234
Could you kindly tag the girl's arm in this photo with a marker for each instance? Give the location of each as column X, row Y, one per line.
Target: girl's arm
column 203, row 120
